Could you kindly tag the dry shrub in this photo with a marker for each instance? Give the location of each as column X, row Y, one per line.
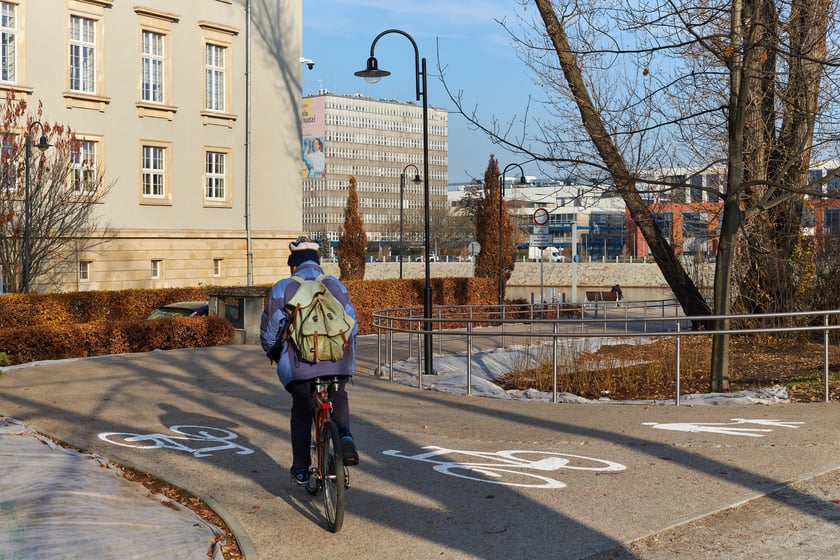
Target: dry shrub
column 648, row 371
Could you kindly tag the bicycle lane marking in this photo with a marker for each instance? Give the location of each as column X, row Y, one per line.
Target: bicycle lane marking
column 508, row 462
column 164, row 441
column 727, row 428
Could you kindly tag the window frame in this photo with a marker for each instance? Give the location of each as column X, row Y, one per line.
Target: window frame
column 215, row 77
column 93, row 11
column 85, row 270
column 9, row 36
column 159, row 23
column 153, row 87
column 156, row 269
column 83, row 73
column 92, row 168
column 224, row 201
column 219, row 36
column 164, row 173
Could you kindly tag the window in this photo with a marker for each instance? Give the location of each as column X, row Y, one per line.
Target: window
column 8, row 42
column 83, row 168
column 157, row 268
column 82, row 54
column 214, row 71
column 217, row 91
column 153, row 172
column 217, row 181
column 84, row 271
column 214, row 175
column 152, row 67
column 8, row 179
column 217, row 267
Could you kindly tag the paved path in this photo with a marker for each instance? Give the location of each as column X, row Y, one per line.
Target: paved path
column 588, row 478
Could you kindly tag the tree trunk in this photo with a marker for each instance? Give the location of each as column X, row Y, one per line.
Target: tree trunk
column 686, row 292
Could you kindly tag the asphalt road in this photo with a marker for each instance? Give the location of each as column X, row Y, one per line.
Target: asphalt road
column 561, row 481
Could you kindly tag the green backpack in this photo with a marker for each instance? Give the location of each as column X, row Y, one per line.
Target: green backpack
column 318, row 325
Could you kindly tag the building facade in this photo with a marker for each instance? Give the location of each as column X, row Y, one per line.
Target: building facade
column 160, row 95
column 380, row 143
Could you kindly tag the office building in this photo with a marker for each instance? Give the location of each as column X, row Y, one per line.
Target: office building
column 375, row 141
column 203, row 154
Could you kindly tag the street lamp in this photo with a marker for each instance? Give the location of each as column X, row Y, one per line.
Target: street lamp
column 522, row 181
column 42, row 145
column 402, row 194
column 373, row 74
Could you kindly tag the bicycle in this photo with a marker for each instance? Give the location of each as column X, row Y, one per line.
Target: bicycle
column 331, row 475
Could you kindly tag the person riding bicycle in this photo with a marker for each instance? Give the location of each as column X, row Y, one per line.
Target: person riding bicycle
column 296, row 374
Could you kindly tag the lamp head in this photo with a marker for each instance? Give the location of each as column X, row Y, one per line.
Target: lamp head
column 42, row 143
column 523, row 180
column 372, row 73
column 417, row 178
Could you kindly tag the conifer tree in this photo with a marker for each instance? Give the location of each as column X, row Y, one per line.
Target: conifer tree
column 352, row 242
column 487, row 229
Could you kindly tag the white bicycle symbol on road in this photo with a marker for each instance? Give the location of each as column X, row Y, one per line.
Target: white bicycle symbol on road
column 509, row 464
column 224, row 439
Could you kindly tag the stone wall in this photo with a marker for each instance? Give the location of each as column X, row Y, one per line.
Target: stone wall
column 594, row 276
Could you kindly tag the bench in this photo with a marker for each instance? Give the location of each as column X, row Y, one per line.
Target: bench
column 600, row 296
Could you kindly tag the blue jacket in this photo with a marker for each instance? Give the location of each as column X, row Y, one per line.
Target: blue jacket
column 274, row 317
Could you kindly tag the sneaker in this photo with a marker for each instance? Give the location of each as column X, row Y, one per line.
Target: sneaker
column 348, row 451
column 303, row 478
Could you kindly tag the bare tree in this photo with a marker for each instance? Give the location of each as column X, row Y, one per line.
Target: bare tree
column 352, row 242
column 690, row 85
column 64, row 191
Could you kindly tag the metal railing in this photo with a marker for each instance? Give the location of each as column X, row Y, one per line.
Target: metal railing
column 456, row 329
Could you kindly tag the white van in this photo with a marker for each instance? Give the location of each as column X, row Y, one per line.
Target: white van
column 549, row 254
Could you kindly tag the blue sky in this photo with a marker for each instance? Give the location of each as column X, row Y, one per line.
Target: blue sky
column 477, row 52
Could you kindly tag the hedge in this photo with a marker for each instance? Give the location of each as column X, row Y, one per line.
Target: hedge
column 80, row 324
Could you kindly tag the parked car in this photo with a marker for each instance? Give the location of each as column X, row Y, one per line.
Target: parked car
column 195, row 309
column 181, row 309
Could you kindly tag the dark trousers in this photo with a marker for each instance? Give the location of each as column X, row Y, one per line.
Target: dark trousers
column 301, row 422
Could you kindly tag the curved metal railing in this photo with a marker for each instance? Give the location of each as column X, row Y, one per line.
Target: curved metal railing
column 455, row 329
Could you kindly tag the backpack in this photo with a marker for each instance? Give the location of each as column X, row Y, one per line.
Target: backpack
column 318, row 325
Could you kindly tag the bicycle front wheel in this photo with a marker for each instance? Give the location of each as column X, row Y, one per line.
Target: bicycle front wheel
column 332, row 471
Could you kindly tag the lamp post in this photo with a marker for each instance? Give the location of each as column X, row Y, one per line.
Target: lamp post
column 402, row 194
column 373, row 74
column 42, row 145
column 501, row 203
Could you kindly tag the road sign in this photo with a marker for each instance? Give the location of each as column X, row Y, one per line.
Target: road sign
column 540, row 216
column 540, row 230
column 474, row 247
column 541, row 240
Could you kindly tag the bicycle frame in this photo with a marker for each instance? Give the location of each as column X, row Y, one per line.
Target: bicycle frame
column 331, row 474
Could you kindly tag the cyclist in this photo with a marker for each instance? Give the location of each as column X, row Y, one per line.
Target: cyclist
column 296, row 374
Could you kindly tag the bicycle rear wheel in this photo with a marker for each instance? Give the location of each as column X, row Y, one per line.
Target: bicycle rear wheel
column 332, row 470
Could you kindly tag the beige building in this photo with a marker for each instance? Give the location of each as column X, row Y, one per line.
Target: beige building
column 161, row 95
column 375, row 141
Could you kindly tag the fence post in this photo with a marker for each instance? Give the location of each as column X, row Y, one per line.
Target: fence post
column 825, row 364
column 679, row 339
column 390, row 349
column 554, row 350
column 469, row 355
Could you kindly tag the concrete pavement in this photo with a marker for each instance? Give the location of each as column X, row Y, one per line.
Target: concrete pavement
column 559, row 481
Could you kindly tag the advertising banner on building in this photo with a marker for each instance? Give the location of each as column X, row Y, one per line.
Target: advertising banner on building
column 313, row 150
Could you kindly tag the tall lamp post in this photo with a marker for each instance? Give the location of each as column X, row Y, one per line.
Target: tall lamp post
column 501, row 204
column 373, row 74
column 42, row 145
column 402, row 194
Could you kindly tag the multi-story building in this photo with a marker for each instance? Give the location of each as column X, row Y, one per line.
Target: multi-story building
column 162, row 94
column 377, row 142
